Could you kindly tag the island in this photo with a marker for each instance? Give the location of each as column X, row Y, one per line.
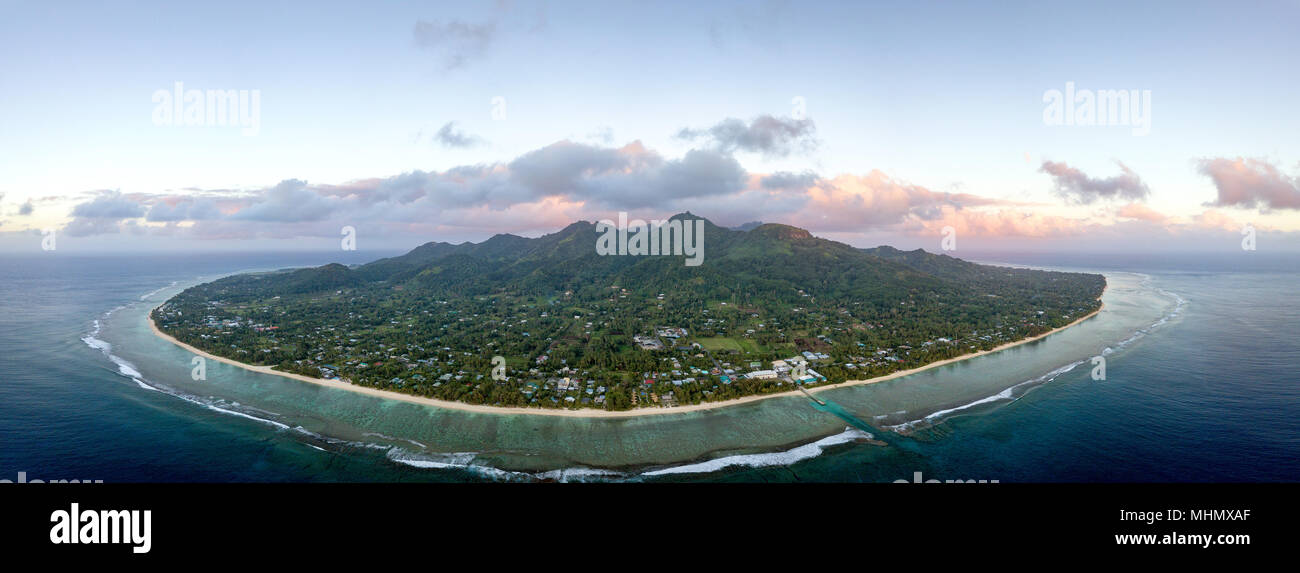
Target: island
column 549, row 325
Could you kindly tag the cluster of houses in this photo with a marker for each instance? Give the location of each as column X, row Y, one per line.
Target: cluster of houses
column 671, row 332
column 794, row 369
column 335, row 353
column 578, row 390
column 648, row 343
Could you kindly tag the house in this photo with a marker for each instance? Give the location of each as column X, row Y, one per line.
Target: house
column 648, row 342
column 671, row 332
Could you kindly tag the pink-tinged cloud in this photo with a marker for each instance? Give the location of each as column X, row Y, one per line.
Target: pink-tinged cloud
column 1141, row 212
column 577, row 179
column 1245, row 182
column 1216, row 220
column 1000, row 224
column 547, row 188
column 856, row 202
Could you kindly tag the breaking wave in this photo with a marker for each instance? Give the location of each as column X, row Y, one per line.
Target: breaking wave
column 398, row 450
column 1008, row 394
column 1011, row 393
column 151, row 293
column 128, row 370
column 785, row 458
column 468, row 461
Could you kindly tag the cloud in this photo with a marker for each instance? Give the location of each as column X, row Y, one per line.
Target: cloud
column 26, row 208
column 1244, row 182
column 1214, row 219
column 84, row 227
column 603, row 134
column 999, row 223
column 698, row 174
column 766, row 134
column 103, row 214
column 564, row 166
column 559, row 182
column 454, row 43
column 1076, row 186
column 788, row 180
column 180, row 208
column 577, row 176
column 449, row 136
column 289, row 201
column 627, row 177
column 856, row 202
column 109, row 205
column 1141, row 212
column 546, row 188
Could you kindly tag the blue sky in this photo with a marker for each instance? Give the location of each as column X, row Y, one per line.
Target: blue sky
column 904, row 102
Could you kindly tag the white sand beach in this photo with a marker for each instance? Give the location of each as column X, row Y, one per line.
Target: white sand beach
column 590, row 412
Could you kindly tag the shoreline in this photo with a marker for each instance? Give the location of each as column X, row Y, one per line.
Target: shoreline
column 592, row 412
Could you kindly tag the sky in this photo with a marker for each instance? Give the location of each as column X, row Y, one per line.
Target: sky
column 871, row 123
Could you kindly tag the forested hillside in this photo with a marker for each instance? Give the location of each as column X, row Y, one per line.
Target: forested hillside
column 578, row 329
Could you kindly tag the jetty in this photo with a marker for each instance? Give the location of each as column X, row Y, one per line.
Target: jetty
column 811, row 397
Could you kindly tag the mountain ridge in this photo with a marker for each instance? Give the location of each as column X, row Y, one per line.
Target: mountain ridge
column 430, row 321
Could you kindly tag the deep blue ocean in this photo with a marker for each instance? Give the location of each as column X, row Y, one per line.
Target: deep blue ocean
column 1213, row 395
